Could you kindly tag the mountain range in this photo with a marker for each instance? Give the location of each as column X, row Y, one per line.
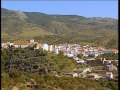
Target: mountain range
column 59, row 28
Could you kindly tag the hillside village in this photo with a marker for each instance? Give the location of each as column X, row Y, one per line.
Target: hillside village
column 97, row 68
column 64, row 50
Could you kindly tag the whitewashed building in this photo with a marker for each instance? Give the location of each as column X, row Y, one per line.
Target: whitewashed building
column 46, row 47
column 4, row 45
column 109, row 75
column 56, row 51
column 32, row 41
column 75, row 74
column 80, row 61
column 111, row 67
column 75, row 58
column 70, row 55
column 52, row 48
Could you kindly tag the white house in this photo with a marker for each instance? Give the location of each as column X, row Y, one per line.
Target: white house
column 73, row 52
column 85, row 54
column 52, row 48
column 46, row 47
column 4, row 45
column 116, row 62
column 56, row 46
column 70, row 55
column 24, row 46
column 83, row 71
column 111, row 67
column 95, row 54
column 109, row 75
column 16, row 46
column 75, row 74
column 80, row 61
column 75, row 58
column 32, row 41
column 106, row 61
column 56, row 51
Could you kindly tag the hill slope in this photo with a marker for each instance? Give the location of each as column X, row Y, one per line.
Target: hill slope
column 41, row 66
column 66, row 28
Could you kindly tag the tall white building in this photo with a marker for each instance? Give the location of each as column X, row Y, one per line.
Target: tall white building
column 32, row 41
column 56, row 49
column 46, row 47
column 51, row 48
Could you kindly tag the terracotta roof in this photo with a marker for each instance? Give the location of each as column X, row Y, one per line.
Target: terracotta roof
column 21, row 43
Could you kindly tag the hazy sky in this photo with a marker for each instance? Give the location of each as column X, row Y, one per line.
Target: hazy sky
column 92, row 8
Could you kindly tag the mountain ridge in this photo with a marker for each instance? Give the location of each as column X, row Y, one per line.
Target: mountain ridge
column 27, row 25
column 60, row 14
